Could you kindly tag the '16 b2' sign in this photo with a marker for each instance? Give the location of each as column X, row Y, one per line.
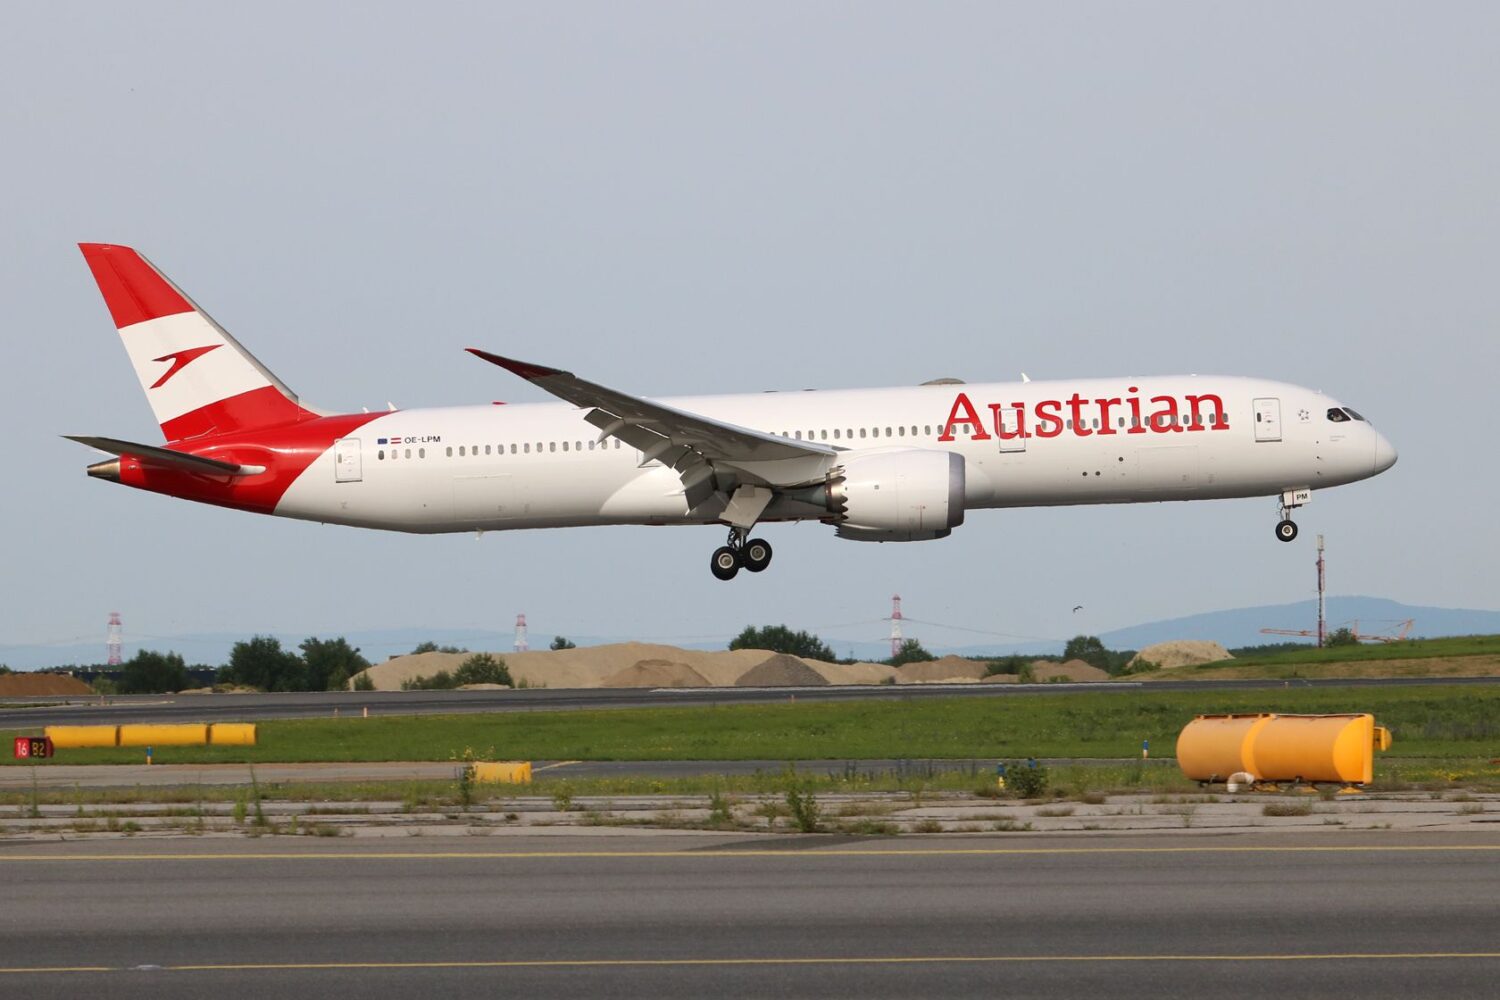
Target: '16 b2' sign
column 33, row 746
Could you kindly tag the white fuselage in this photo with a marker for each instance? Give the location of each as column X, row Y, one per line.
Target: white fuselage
column 541, row 465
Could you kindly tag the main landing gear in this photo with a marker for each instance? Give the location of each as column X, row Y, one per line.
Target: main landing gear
column 753, row 554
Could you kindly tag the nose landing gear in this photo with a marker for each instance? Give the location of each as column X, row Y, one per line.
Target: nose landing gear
column 752, row 554
column 1290, row 500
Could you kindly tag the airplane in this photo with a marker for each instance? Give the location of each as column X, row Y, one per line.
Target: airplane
column 877, row 465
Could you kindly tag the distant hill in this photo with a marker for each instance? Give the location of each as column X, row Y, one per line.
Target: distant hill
column 1237, row 627
column 1241, row 626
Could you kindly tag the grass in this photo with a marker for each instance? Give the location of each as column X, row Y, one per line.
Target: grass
column 1428, row 721
column 1088, row 784
column 1375, row 659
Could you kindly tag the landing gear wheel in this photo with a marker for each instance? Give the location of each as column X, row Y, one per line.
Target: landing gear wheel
column 756, row 554
column 725, row 563
column 1286, row 530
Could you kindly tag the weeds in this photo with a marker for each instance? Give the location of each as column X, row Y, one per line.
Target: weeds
column 801, row 803
column 927, row 826
column 720, row 812
column 1287, row 809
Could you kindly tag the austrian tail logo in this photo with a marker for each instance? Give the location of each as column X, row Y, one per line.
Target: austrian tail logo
column 180, row 360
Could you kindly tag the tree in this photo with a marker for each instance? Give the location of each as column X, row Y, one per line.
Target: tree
column 1089, row 649
column 330, row 663
column 911, row 652
column 1341, row 637
column 558, row 642
column 261, row 662
column 148, row 672
column 482, row 668
column 5, row 670
column 432, row 647
column 780, row 639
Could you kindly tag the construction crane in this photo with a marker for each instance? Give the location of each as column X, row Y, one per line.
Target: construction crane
column 1403, row 631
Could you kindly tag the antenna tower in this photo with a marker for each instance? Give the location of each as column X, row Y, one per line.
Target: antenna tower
column 1322, row 620
column 521, row 644
column 895, row 625
column 112, row 642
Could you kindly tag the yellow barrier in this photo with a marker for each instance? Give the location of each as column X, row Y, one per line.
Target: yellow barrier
column 74, row 737
column 1312, row 748
column 511, row 771
column 181, row 735
column 232, row 734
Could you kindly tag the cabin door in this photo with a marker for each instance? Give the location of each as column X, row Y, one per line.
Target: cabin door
column 1268, row 420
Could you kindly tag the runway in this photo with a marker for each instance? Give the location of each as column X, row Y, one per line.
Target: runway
column 688, row 915
column 119, row 709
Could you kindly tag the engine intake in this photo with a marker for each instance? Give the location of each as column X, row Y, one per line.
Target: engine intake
column 900, row 495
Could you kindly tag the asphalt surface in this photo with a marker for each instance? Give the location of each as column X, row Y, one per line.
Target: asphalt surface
column 687, row 915
column 21, row 713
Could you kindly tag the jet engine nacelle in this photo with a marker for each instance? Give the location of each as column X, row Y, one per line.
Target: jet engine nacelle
column 900, row 495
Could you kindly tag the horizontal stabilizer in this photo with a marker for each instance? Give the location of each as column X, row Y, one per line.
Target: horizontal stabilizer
column 165, row 457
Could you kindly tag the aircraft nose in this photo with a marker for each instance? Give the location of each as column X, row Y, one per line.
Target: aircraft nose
column 1385, row 453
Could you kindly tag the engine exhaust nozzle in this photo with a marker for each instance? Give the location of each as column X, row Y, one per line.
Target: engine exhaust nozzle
column 108, row 470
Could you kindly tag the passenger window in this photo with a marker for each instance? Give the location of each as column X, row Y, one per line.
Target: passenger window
column 512, row 449
column 408, row 453
column 551, row 445
column 902, row 431
column 421, row 452
column 528, row 447
column 565, row 446
column 381, row 454
column 450, row 451
column 835, row 433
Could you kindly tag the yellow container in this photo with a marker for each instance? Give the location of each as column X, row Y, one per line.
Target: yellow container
column 1313, row 748
column 232, row 734
column 83, row 736
column 181, row 735
column 516, row 772
column 1212, row 747
column 1316, row 748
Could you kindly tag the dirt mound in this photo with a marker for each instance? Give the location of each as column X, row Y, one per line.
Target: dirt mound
column 656, row 674
column 1182, row 653
column 1000, row 679
column 949, row 669
column 1073, row 670
column 781, row 670
column 41, row 684
column 594, row 666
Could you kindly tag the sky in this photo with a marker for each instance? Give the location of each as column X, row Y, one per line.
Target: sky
column 695, row 198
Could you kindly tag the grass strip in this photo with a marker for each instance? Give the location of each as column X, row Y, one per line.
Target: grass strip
column 1428, row 721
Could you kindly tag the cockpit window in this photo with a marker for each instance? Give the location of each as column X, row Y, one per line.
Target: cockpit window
column 1351, row 413
column 1338, row 416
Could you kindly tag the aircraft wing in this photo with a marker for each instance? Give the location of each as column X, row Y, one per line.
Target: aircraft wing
column 696, row 446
